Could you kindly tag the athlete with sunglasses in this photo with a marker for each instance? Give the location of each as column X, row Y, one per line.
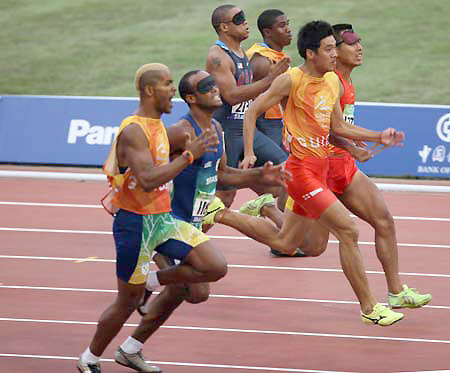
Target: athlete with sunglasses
column 193, row 191
column 312, row 91
column 227, row 63
column 139, row 171
column 354, row 189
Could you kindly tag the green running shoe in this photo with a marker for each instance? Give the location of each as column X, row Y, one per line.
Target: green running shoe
column 253, row 207
column 214, row 207
column 408, row 298
column 381, row 315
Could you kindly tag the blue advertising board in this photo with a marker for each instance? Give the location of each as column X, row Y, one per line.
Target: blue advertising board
column 426, row 151
column 80, row 130
column 64, row 130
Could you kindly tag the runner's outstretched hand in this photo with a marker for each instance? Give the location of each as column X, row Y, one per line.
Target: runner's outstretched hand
column 275, row 175
column 392, row 137
column 280, row 67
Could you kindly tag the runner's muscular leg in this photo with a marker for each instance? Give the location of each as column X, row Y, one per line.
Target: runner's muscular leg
column 113, row 318
column 192, row 293
column 160, row 309
column 256, row 228
column 365, row 200
column 303, row 232
column 337, row 220
column 203, row 264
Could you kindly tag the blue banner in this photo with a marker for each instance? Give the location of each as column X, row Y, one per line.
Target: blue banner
column 427, row 145
column 80, row 130
column 65, row 130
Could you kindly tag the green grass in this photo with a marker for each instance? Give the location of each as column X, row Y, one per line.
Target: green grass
column 93, row 47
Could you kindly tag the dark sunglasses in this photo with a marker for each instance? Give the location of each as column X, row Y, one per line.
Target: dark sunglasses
column 348, row 37
column 238, row 18
column 206, row 85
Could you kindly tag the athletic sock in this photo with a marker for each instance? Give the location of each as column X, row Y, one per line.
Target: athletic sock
column 152, row 281
column 88, row 357
column 131, row 345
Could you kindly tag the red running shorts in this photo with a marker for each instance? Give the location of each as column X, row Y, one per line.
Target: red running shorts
column 340, row 173
column 308, row 190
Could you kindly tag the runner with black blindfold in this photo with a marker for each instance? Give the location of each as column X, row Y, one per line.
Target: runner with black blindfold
column 228, row 64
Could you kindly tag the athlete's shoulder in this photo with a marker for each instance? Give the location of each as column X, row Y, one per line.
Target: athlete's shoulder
column 217, row 58
column 177, row 134
column 332, row 77
column 333, row 81
column 182, row 126
column 218, row 124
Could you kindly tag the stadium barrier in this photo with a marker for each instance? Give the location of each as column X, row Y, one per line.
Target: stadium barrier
column 99, row 177
column 61, row 130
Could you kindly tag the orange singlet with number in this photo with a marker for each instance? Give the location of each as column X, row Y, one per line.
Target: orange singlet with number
column 126, row 193
column 307, row 120
column 342, row 165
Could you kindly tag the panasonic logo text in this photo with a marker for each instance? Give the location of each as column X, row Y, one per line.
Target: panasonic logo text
column 92, row 135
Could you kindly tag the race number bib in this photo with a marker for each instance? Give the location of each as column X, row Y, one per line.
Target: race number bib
column 201, row 204
column 238, row 110
column 349, row 113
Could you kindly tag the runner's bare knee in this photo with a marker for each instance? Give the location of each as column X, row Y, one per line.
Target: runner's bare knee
column 347, row 233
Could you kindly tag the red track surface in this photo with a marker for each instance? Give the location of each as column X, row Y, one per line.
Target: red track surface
column 297, row 333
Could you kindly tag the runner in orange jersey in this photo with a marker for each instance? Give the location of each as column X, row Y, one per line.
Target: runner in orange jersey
column 312, row 91
column 354, row 189
column 139, row 170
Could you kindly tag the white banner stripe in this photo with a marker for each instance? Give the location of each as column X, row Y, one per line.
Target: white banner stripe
column 44, row 204
column 100, row 177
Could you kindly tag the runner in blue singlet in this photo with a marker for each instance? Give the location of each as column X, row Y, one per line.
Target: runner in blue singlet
column 228, row 64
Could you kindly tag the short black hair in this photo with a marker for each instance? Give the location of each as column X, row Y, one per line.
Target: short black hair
column 310, row 35
column 267, row 19
column 218, row 14
column 185, row 87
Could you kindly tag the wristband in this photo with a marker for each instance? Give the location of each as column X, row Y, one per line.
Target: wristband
column 187, row 154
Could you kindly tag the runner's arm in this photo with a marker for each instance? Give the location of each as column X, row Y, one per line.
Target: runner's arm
column 279, row 90
column 220, row 66
column 340, row 128
column 177, row 134
column 260, row 66
column 133, row 151
column 267, row 175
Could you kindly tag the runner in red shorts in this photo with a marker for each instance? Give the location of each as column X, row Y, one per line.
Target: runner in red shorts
column 312, row 110
column 354, row 189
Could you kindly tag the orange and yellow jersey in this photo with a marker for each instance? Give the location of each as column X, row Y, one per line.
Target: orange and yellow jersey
column 307, row 117
column 126, row 193
column 263, row 49
column 347, row 102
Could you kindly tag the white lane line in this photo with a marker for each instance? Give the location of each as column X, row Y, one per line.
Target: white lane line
column 249, row 331
column 222, row 296
column 72, row 231
column 44, row 204
column 41, row 230
column 245, row 266
column 186, row 364
column 428, row 371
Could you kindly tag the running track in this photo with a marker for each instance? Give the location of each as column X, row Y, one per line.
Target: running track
column 267, row 314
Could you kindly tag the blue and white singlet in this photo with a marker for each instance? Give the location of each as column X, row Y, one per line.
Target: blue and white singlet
column 194, row 188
